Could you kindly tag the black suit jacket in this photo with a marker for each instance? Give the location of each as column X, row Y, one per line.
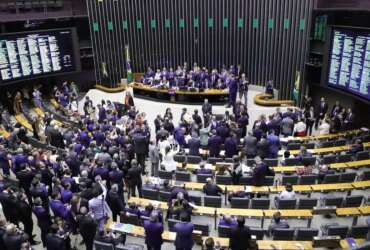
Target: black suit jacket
column 134, row 176
column 54, row 242
column 87, row 226
column 115, row 201
column 239, row 238
column 14, row 242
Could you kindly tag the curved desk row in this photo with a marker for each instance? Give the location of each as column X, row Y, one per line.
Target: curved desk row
column 138, row 231
column 320, row 137
column 267, row 100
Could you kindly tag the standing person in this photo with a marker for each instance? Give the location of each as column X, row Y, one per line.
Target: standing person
column 243, row 88
column 140, row 142
column 322, row 110
column 54, row 241
column 168, row 158
column 309, row 115
column 25, row 216
column 286, row 126
column 87, row 227
column 43, row 219
column 233, row 88
column 98, row 206
column 153, row 232
column 115, row 201
column 194, row 144
column 134, row 178
column 154, row 158
column 239, row 235
column 250, row 142
column 184, row 231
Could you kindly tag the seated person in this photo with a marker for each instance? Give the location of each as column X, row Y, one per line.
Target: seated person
column 202, row 169
column 223, row 170
column 148, row 76
column 157, row 77
column 277, row 222
column 149, row 209
column 227, row 220
column 324, row 170
column 305, row 170
column 212, row 189
column 286, row 194
column 303, row 153
column 237, row 194
column 132, row 209
column 286, row 156
column 111, row 237
column 209, row 244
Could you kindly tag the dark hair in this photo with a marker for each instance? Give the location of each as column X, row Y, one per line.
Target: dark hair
column 289, row 187
column 241, row 221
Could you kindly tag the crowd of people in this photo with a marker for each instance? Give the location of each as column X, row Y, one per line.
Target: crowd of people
column 78, row 186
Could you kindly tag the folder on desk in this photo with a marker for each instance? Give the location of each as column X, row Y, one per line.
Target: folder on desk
column 122, row 228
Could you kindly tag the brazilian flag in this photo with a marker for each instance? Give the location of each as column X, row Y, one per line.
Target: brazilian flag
column 128, row 62
column 296, row 87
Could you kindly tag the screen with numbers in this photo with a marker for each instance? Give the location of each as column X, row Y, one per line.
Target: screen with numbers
column 37, row 54
column 349, row 61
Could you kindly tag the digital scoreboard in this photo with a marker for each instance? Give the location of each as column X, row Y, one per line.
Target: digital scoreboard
column 349, row 61
column 37, row 54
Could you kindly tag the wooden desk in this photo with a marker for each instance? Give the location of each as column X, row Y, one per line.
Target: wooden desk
column 331, row 187
column 4, row 133
column 289, row 213
column 285, row 169
column 361, row 184
column 339, row 165
column 267, row 100
column 241, row 212
column 364, row 210
column 296, row 188
column 320, row 137
column 357, row 164
column 344, row 243
column 54, row 103
column 284, row 245
column 367, row 145
column 23, row 121
column 348, row 211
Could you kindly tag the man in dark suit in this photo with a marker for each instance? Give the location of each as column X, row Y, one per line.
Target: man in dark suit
column 25, row 216
column 134, row 178
column 54, row 241
column 140, row 142
column 322, row 109
column 196, row 118
column 116, row 177
column 184, row 231
column 25, row 177
column 263, row 147
column 239, row 235
column 8, row 202
column 87, row 227
column 260, row 172
column 337, row 108
column 115, row 201
column 13, row 238
column 194, row 145
column 153, row 232
column 206, row 110
column 210, row 188
column 43, row 219
column 56, row 138
column 214, row 145
column 250, row 143
column 233, row 89
column 231, row 146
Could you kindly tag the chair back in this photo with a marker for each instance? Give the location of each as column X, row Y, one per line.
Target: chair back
column 103, row 246
column 212, row 201
column 239, row 202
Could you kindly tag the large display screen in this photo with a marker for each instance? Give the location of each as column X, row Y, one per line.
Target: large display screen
column 35, row 54
column 349, row 61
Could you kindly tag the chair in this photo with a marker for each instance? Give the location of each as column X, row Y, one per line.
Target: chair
column 269, row 181
column 344, row 158
column 271, row 162
column 130, row 246
column 331, row 178
column 327, row 144
column 340, row 231
column 292, row 161
column 359, row 232
column 292, row 179
column 329, row 159
column 202, row 178
column 213, row 160
column 365, row 176
column 165, row 175
column 306, row 233
column 293, row 146
column 340, row 142
column 333, row 201
column 363, row 155
column 258, row 232
column 353, row 201
column 309, row 160
column 179, row 158
column 307, row 203
column 223, row 231
column 36, row 4
column 223, row 180
column 260, row 203
column 151, row 194
column 183, row 176
column 132, row 219
column 204, row 228
column 197, row 200
column 348, row 177
column 194, row 159
column 283, row 234
column 307, row 180
column 246, row 180
column 212, row 201
column 103, row 246
column 310, row 145
column 236, row 202
column 286, row 203
column 164, row 196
